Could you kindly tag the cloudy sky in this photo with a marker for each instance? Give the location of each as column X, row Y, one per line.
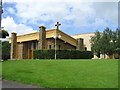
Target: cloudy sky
column 25, row 16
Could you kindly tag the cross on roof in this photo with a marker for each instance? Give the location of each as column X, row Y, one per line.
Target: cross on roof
column 58, row 24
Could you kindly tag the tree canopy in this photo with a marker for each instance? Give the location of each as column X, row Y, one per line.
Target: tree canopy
column 96, row 41
column 4, row 45
column 3, row 33
column 106, row 42
column 5, row 50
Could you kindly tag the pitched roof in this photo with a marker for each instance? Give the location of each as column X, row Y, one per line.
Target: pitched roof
column 49, row 34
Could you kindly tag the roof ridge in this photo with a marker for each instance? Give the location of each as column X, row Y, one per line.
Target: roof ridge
column 83, row 33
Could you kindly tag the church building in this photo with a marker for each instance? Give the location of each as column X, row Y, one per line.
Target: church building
column 22, row 46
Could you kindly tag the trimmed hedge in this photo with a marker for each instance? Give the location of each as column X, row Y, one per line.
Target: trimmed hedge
column 62, row 54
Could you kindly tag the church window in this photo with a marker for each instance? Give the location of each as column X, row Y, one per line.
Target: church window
column 59, row 47
column 36, row 45
column 50, row 46
column 85, row 48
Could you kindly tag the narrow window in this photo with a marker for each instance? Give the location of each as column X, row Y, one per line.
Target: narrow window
column 85, row 48
column 50, row 46
column 59, row 47
column 34, row 45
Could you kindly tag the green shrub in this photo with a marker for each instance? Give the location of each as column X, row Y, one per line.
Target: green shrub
column 5, row 50
column 62, row 54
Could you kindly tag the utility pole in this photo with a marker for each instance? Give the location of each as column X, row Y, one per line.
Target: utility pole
column 1, row 11
column 57, row 25
column 0, row 29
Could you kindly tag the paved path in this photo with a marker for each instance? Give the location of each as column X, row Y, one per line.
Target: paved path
column 11, row 84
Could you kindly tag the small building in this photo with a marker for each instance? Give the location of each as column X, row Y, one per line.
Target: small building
column 87, row 45
column 22, row 46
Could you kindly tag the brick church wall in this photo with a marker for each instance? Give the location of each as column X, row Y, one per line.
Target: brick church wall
column 60, row 44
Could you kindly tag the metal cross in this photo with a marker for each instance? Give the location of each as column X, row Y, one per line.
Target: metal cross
column 58, row 24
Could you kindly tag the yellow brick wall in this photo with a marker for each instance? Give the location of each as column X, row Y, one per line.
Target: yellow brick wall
column 87, row 38
column 63, row 45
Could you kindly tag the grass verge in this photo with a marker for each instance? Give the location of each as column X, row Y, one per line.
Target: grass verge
column 63, row 73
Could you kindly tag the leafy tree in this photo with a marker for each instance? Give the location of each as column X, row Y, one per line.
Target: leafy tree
column 118, row 37
column 5, row 50
column 96, row 43
column 118, row 41
column 3, row 33
column 106, row 42
column 4, row 45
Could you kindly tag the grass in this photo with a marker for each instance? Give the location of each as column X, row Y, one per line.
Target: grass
column 63, row 73
column 0, row 69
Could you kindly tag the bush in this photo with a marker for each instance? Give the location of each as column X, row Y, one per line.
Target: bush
column 62, row 54
column 118, row 52
column 5, row 50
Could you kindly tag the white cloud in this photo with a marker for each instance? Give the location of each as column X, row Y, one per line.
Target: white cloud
column 11, row 10
column 9, row 24
column 22, row 1
column 100, row 22
column 107, row 10
column 83, row 13
column 45, row 11
column 55, row 11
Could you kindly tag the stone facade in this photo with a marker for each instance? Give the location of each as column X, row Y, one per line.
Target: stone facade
column 60, row 44
column 13, row 46
column 25, row 49
column 42, row 37
column 22, row 46
column 86, row 37
column 20, row 51
column 87, row 45
column 80, row 44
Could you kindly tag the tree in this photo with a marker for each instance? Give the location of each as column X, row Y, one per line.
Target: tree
column 5, row 50
column 118, row 37
column 96, row 43
column 4, row 33
column 105, row 42
column 108, row 38
column 118, row 42
column 4, row 45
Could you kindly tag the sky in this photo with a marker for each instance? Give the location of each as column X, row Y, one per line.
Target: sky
column 75, row 16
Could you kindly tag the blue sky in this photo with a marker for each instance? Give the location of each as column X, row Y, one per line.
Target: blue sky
column 76, row 17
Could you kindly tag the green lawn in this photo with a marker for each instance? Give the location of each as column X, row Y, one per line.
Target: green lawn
column 0, row 69
column 63, row 73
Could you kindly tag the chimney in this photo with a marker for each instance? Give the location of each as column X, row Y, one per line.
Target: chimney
column 42, row 37
column 13, row 45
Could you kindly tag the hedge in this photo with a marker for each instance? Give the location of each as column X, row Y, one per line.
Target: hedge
column 62, row 54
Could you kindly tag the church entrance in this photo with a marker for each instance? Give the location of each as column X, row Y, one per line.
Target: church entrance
column 29, row 51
